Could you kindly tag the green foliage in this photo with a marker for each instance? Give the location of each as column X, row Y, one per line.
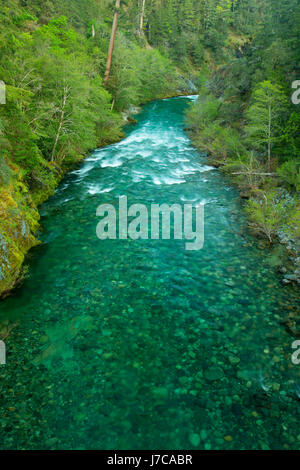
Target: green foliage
column 289, row 173
column 268, row 103
column 5, row 171
column 221, row 142
column 289, row 138
column 267, row 214
column 203, row 112
column 246, row 169
column 139, row 75
column 210, row 135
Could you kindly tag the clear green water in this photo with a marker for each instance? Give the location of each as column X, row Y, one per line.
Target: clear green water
column 142, row 344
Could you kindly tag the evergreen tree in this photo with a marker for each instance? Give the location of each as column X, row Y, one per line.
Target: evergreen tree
column 264, row 116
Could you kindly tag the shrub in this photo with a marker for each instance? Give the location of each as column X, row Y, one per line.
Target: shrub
column 267, row 214
column 289, row 173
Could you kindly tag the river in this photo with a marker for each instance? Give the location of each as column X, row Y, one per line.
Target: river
column 142, row 344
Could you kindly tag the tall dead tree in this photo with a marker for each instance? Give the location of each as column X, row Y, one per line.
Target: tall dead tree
column 112, row 42
column 66, row 95
column 142, row 18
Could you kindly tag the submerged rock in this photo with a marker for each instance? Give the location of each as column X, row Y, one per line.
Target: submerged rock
column 161, row 393
column 214, row 373
column 194, row 439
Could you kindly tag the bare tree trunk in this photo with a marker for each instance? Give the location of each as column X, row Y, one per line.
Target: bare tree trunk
column 93, row 31
column 142, row 18
column 61, row 121
column 112, row 42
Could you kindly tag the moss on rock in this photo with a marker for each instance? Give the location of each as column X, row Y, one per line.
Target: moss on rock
column 18, row 223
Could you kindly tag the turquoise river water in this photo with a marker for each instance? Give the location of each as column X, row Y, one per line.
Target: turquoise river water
column 123, row 344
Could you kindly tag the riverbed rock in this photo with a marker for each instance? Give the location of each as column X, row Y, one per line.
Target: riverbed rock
column 194, row 439
column 214, row 373
column 161, row 393
column 234, row 360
